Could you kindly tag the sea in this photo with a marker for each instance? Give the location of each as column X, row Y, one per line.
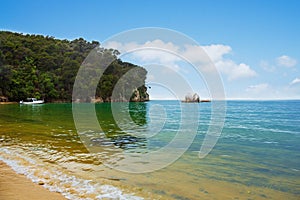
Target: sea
column 150, row 150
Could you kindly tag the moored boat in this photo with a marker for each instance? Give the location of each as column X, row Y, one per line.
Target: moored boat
column 31, row 101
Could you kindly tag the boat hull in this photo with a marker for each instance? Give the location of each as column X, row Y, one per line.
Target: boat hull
column 31, row 103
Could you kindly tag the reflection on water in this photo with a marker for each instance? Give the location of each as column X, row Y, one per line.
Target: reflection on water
column 138, row 112
column 107, row 117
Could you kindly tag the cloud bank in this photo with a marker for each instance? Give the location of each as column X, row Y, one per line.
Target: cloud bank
column 168, row 53
column 295, row 81
column 286, row 61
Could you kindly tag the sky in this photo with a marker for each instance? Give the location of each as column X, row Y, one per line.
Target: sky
column 254, row 45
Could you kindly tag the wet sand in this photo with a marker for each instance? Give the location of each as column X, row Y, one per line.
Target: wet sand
column 15, row 186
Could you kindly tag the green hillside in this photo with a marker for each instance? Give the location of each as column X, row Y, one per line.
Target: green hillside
column 45, row 68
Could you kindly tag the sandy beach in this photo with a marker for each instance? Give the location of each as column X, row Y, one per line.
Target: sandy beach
column 15, row 186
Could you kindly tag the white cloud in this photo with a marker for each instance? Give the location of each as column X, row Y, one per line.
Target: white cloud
column 133, row 46
column 295, row 81
column 167, row 53
column 266, row 66
column 258, row 88
column 233, row 70
column 194, row 54
column 156, row 56
column 155, row 51
column 216, row 52
column 269, row 91
column 261, row 91
column 286, row 61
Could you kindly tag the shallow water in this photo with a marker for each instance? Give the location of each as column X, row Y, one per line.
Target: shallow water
column 256, row 157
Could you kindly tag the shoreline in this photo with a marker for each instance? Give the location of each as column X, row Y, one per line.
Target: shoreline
column 8, row 102
column 204, row 101
column 17, row 186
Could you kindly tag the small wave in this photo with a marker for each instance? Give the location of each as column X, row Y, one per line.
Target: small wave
column 224, row 155
column 256, row 127
column 270, row 142
column 56, row 180
column 276, row 130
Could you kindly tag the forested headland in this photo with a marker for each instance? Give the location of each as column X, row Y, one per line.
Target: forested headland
column 45, row 68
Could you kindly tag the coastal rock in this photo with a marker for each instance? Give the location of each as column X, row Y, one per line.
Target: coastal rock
column 41, row 183
column 192, row 98
column 138, row 96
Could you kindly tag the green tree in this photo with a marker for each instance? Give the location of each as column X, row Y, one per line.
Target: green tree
column 45, row 67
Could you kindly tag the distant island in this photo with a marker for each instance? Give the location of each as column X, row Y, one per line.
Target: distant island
column 195, row 98
column 45, row 68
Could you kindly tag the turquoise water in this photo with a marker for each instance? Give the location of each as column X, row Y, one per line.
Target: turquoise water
column 260, row 143
column 256, row 157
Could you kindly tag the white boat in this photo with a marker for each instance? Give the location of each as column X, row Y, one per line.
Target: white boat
column 32, row 101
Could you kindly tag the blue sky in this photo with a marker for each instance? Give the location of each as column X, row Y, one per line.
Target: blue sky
column 254, row 44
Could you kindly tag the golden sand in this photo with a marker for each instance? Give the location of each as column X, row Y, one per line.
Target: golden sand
column 15, row 186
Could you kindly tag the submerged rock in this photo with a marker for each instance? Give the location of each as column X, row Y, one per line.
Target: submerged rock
column 121, row 141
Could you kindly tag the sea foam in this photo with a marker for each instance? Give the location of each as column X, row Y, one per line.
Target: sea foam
column 54, row 180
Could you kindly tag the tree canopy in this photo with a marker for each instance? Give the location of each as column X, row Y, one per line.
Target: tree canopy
column 45, row 68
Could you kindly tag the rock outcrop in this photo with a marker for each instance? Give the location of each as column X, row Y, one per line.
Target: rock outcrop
column 139, row 96
column 192, row 98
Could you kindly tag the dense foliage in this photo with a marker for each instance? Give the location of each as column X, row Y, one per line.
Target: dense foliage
column 45, row 68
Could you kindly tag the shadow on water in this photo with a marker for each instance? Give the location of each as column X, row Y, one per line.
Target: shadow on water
column 114, row 131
